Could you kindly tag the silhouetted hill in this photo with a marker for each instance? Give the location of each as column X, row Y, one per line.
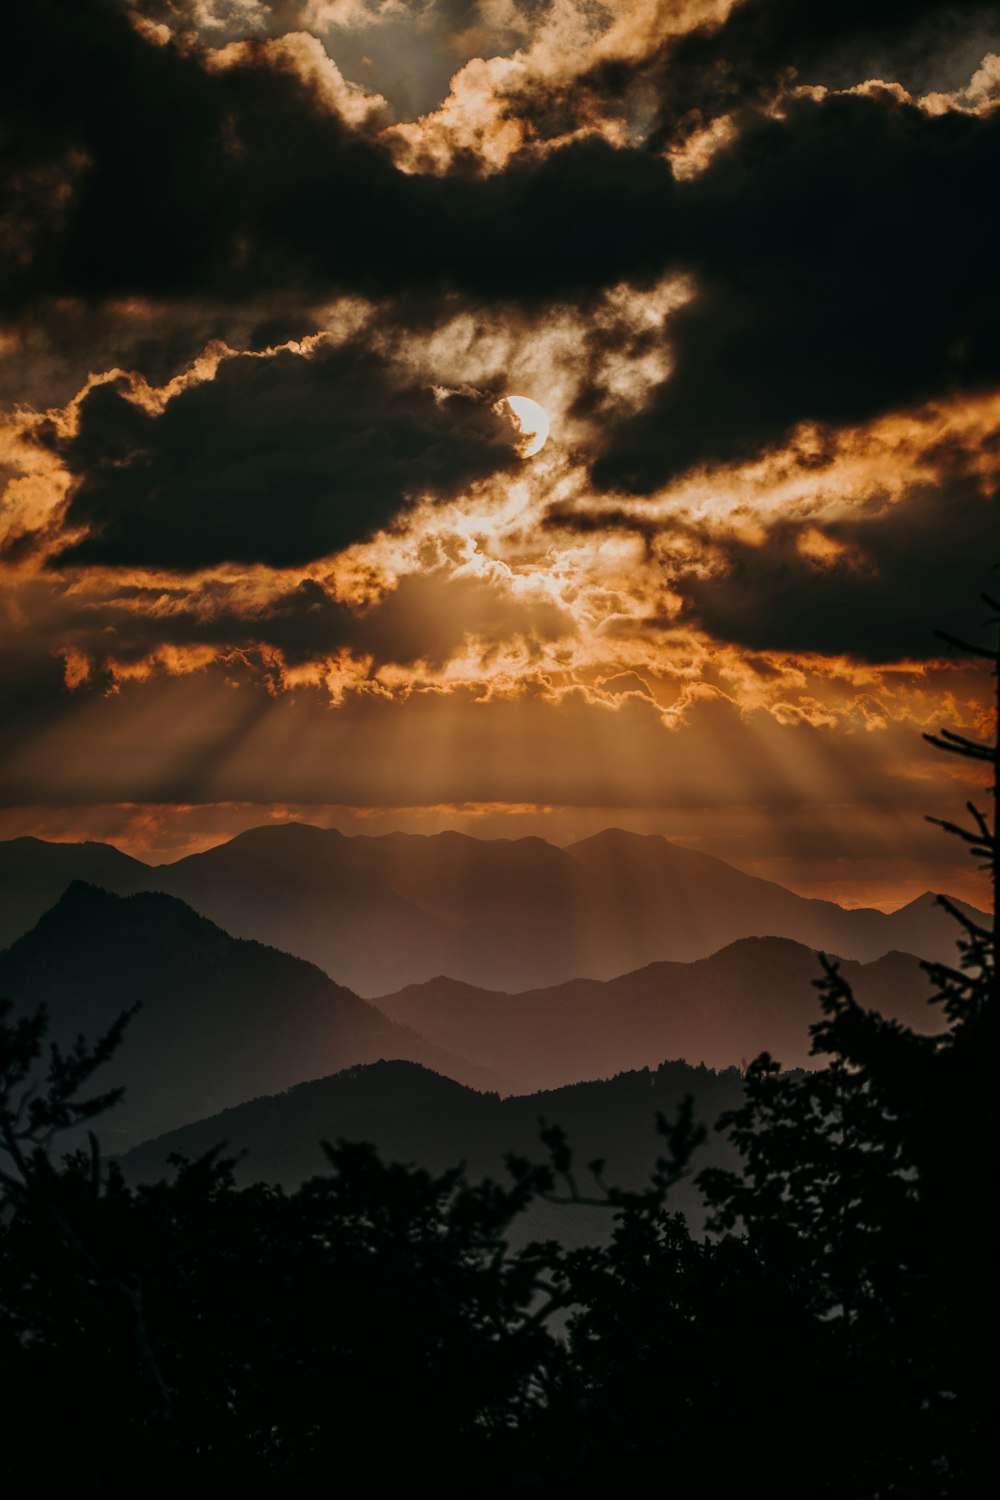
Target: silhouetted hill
column 754, row 995
column 412, row 1115
column 381, row 913
column 222, row 1019
column 34, row 874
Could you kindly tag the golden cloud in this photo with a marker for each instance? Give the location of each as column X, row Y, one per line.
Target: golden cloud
column 480, row 115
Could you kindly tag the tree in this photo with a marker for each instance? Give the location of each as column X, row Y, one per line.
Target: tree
column 186, row 1331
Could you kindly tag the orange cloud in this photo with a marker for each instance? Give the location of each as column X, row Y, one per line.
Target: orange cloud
column 306, row 59
column 481, row 114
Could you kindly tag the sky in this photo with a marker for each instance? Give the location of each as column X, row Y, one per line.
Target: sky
column 274, row 544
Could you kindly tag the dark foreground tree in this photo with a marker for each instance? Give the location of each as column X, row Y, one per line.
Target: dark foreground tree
column 367, row 1327
column 832, row 1337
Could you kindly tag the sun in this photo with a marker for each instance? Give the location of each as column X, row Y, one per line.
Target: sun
column 531, row 421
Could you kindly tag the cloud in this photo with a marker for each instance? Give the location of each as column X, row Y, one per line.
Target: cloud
column 428, row 618
column 674, row 79
column 764, row 47
column 579, row 71
column 840, row 268
column 872, row 585
column 204, row 737
column 278, row 460
column 438, row 629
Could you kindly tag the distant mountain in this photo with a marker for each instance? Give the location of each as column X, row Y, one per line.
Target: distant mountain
column 34, row 874
column 754, row 995
column 380, row 913
column 221, row 1019
column 412, row 1115
column 304, row 890
column 676, row 903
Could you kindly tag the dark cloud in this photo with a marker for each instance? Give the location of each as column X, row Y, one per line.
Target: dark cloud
column 764, row 45
column 303, row 623
column 427, row 617
column 49, row 356
column 841, row 256
column 565, row 516
column 277, row 460
column 906, row 570
column 139, row 172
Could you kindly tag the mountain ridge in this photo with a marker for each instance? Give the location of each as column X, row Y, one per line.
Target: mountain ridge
column 754, row 995
column 379, row 912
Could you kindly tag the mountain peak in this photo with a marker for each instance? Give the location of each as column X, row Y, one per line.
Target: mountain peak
column 292, row 829
column 619, row 836
column 86, row 895
column 145, row 927
column 83, row 893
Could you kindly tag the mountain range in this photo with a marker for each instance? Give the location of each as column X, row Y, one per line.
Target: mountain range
column 262, row 1048
column 379, row 914
column 755, row 995
column 223, row 1019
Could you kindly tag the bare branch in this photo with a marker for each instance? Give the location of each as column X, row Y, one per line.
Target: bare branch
column 967, row 646
column 971, row 836
column 971, row 927
column 957, row 744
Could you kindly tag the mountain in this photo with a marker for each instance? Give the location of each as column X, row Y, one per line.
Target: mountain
column 381, row 913
column 923, row 924
column 298, row 888
column 378, row 913
column 222, row 1019
column 756, row 994
column 689, row 905
column 412, row 1115
column 34, row 874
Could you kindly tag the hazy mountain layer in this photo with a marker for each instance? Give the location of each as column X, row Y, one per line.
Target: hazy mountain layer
column 222, row 1019
column 380, row 913
column 755, row 995
column 377, row 913
column 412, row 1115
